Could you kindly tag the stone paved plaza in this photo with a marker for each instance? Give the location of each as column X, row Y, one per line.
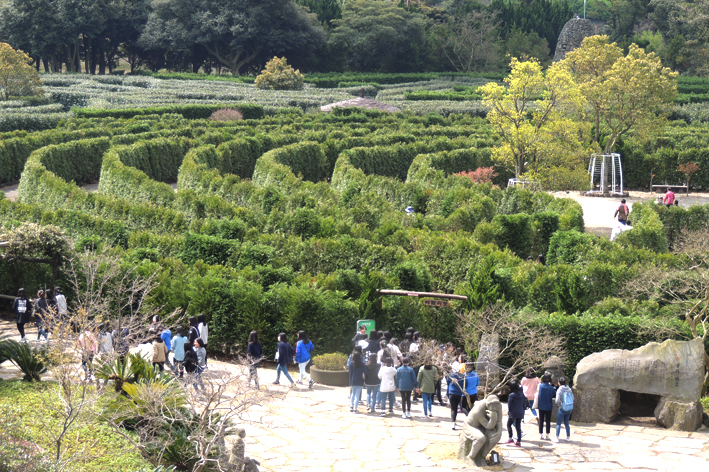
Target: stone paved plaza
column 314, row 431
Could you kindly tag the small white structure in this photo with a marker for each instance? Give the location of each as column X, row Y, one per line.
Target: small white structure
column 606, row 172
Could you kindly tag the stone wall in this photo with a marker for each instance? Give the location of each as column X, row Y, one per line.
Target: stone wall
column 572, row 35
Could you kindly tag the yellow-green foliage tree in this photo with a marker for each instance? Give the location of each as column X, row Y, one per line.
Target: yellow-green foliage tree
column 539, row 118
column 624, row 93
column 278, row 75
column 17, row 76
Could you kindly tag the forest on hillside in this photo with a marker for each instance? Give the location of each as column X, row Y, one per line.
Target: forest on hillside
column 239, row 37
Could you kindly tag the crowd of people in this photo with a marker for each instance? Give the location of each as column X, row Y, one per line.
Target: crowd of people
column 382, row 366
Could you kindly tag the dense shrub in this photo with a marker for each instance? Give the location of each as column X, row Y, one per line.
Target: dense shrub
column 278, row 75
column 515, row 233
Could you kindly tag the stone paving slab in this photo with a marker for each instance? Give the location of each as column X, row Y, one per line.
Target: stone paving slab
column 312, row 430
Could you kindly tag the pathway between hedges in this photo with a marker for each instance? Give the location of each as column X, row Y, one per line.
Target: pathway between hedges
column 314, row 431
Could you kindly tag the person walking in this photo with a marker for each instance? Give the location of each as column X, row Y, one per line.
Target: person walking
column 193, row 332
column 545, row 402
column 372, row 383
column 455, row 382
column 62, row 308
column 285, row 357
column 470, row 386
column 427, row 386
column 393, row 345
column 406, row 382
column 565, row 400
column 373, row 346
column 357, row 371
column 530, row 384
column 203, row 329
column 160, row 352
column 669, row 198
column 88, row 346
column 254, row 353
column 516, row 404
column 387, row 389
column 21, row 308
column 178, row 348
column 41, row 310
column 303, row 348
column 622, row 212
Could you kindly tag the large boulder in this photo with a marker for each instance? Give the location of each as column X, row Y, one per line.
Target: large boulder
column 679, row 416
column 672, row 369
column 595, row 404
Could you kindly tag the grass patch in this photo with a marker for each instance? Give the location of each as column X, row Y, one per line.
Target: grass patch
column 106, row 450
column 705, row 403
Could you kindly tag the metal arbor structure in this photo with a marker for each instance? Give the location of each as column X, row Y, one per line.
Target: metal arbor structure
column 606, row 171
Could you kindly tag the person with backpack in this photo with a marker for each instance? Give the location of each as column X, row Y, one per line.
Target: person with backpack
column 406, row 383
column 160, row 351
column 565, row 400
column 516, row 404
column 284, row 357
column 622, row 212
column 302, row 356
column 546, row 394
column 21, row 308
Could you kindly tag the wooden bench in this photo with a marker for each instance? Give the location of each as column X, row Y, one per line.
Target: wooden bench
column 674, row 187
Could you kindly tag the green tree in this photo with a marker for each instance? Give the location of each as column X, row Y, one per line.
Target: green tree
column 235, row 32
column 379, row 35
column 17, row 76
column 624, row 93
column 537, row 115
column 527, row 45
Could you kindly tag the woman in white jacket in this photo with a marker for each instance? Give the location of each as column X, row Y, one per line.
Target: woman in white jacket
column 388, row 387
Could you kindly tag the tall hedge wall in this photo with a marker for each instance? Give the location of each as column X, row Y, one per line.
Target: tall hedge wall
column 250, row 111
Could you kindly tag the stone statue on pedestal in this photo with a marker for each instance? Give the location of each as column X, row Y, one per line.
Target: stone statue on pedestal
column 238, row 462
column 482, row 431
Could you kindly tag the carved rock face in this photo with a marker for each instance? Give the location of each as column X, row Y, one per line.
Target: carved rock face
column 673, row 369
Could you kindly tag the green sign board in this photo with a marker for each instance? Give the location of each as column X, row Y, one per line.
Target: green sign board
column 371, row 326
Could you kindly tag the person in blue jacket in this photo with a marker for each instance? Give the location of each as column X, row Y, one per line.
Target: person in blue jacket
column 516, row 404
column 357, row 371
column 454, row 393
column 285, row 357
column 546, row 394
column 406, row 382
column 302, row 356
column 470, row 384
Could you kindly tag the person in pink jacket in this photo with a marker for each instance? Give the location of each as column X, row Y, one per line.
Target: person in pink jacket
column 530, row 384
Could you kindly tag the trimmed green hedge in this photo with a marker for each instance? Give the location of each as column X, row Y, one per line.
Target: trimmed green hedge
column 122, row 181
column 250, row 111
column 159, row 158
column 305, row 159
column 78, row 161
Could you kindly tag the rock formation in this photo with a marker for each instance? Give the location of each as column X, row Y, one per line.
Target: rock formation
column 672, row 370
column 572, row 35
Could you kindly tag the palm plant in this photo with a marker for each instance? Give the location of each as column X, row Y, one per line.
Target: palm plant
column 31, row 361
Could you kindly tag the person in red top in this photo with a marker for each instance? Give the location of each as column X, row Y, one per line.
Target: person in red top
column 622, row 212
column 669, row 199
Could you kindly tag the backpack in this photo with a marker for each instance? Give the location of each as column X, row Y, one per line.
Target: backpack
column 567, row 402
